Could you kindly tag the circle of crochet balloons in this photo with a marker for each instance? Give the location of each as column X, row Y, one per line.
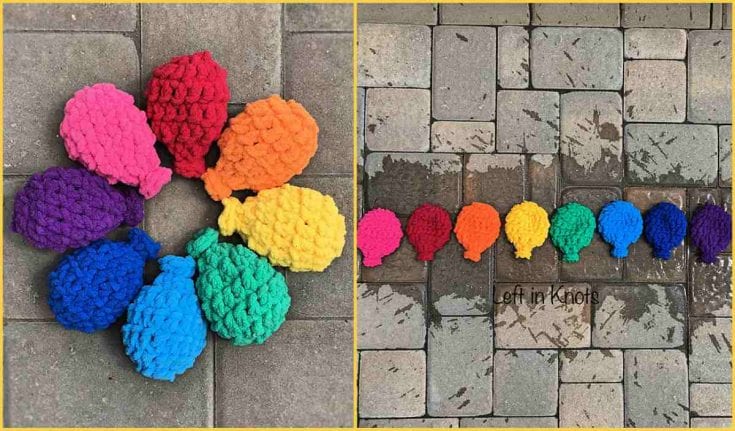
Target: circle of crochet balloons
column 477, row 228
column 428, row 230
column 244, row 299
column 572, row 229
column 264, row 146
column 104, row 131
column 91, row 287
column 710, row 232
column 526, row 226
column 63, row 208
column 187, row 106
column 665, row 227
column 295, row 227
column 620, row 224
column 379, row 234
column 165, row 331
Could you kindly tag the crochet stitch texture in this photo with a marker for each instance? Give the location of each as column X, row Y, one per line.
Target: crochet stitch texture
column 379, row 234
column 572, row 229
column 165, row 331
column 620, row 224
column 93, row 286
column 63, row 208
column 428, row 230
column 187, row 106
column 665, row 227
column 104, row 131
column 242, row 296
column 477, row 228
column 295, row 227
column 264, row 146
column 710, row 232
column 526, row 226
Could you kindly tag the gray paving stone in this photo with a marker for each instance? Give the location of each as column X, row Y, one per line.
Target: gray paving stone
column 460, row 367
column 460, row 287
column 484, row 14
column 710, row 287
column 525, row 382
column 463, row 73
column 542, row 267
column 401, row 266
column 410, row 423
column 655, row 91
column 462, row 137
column 725, row 134
column 75, row 17
column 710, row 350
column 584, row 366
column 253, row 67
column 588, row 405
column 508, row 422
column 710, row 399
column 397, row 13
column 710, row 76
column 711, row 422
column 42, row 71
column 360, row 134
column 656, row 392
column 267, row 385
column 544, row 175
column 666, row 15
column 56, row 377
column 579, row 15
column 394, row 55
column 397, row 119
column 577, row 58
column 392, row 383
column 391, row 316
column 528, row 122
column 655, row 43
column 727, row 16
column 716, row 16
column 513, row 52
column 482, row 174
column 318, row 17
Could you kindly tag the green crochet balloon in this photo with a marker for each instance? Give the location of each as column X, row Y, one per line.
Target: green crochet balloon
column 243, row 298
column 572, row 228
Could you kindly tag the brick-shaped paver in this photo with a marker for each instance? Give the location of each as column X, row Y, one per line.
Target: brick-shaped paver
column 392, row 383
column 579, row 15
column 716, row 16
column 462, row 137
column 397, row 119
column 482, row 174
column 401, row 266
column 711, row 422
column 391, row 316
column 544, row 174
column 460, row 287
column 666, row 15
column 410, row 423
column 710, row 77
column 70, row 17
column 656, row 389
column 542, row 316
column 460, row 366
column 525, row 382
column 513, row 52
column 317, row 17
column 360, row 134
column 528, row 122
column 463, row 73
column 508, row 422
column 484, row 14
column 577, row 58
column 542, row 267
column 710, row 399
column 710, row 350
column 655, row 91
column 725, row 133
column 591, row 405
column 584, row 366
column 655, row 43
column 727, row 16
column 394, row 55
column 710, row 287
column 397, row 13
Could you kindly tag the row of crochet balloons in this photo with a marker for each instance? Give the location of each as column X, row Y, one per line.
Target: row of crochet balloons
column 527, row 225
column 237, row 289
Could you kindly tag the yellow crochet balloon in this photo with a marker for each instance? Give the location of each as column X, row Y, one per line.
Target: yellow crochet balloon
column 295, row 227
column 526, row 226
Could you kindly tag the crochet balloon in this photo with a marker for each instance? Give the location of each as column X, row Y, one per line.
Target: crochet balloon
column 526, row 226
column 165, row 331
column 104, row 131
column 264, row 146
column 665, row 227
column 187, row 106
column 243, row 298
column 92, row 287
column 295, row 227
column 428, row 230
column 572, row 229
column 379, row 234
column 710, row 232
column 620, row 224
column 63, row 208
column 477, row 228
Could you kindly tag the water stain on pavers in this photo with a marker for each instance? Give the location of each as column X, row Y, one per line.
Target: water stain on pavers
column 391, row 316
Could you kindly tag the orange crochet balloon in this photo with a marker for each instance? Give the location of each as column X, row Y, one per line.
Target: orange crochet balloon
column 477, row 228
column 264, row 146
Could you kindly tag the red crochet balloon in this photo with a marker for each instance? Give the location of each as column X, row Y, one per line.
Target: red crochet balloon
column 428, row 230
column 187, row 106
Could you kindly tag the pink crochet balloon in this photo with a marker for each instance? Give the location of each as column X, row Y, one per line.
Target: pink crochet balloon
column 378, row 235
column 104, row 131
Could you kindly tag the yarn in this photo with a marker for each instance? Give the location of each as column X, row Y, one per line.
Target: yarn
column 243, row 298
column 620, row 224
column 104, row 131
column 187, row 106
column 665, row 227
column 63, row 208
column 295, row 227
column 572, row 229
column 428, row 230
column 526, row 226
column 165, row 331
column 379, row 234
column 711, row 230
column 92, row 287
column 477, row 228
column 264, row 146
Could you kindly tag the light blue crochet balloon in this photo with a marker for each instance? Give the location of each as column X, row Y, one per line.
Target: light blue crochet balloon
column 620, row 224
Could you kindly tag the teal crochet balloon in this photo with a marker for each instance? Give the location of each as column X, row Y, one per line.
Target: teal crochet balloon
column 244, row 299
column 572, row 229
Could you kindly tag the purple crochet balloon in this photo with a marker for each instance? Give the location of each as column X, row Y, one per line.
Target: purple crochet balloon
column 710, row 231
column 65, row 208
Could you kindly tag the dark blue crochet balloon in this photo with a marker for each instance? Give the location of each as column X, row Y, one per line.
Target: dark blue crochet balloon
column 665, row 228
column 620, row 225
column 91, row 287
